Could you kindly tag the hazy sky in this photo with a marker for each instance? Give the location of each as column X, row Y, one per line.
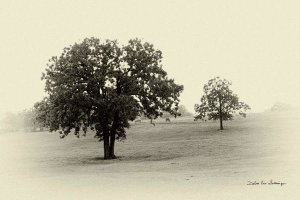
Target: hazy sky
column 254, row 43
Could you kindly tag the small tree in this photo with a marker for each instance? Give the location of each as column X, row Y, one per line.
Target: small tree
column 101, row 85
column 219, row 102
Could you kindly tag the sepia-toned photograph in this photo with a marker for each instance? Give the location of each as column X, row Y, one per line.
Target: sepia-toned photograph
column 154, row 100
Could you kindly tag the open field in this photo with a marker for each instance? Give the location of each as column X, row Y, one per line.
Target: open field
column 178, row 160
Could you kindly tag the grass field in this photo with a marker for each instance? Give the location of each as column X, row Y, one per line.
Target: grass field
column 178, row 160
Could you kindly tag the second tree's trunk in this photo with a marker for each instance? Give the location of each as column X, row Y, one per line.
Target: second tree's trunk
column 221, row 122
column 221, row 116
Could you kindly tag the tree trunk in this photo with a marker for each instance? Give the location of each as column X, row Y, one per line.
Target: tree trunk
column 113, row 133
column 151, row 122
column 112, row 146
column 221, row 122
column 221, row 116
column 106, row 141
column 106, row 146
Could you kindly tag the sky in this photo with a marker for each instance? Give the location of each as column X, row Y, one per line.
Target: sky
column 255, row 44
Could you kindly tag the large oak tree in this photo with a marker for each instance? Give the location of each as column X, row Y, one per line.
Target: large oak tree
column 219, row 102
column 102, row 85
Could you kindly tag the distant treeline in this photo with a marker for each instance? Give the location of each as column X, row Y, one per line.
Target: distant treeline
column 181, row 109
column 21, row 121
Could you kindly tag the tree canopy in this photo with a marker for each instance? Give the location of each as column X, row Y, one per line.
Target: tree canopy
column 219, row 102
column 102, row 85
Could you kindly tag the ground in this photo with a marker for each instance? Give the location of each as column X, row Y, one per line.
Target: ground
column 178, row 160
